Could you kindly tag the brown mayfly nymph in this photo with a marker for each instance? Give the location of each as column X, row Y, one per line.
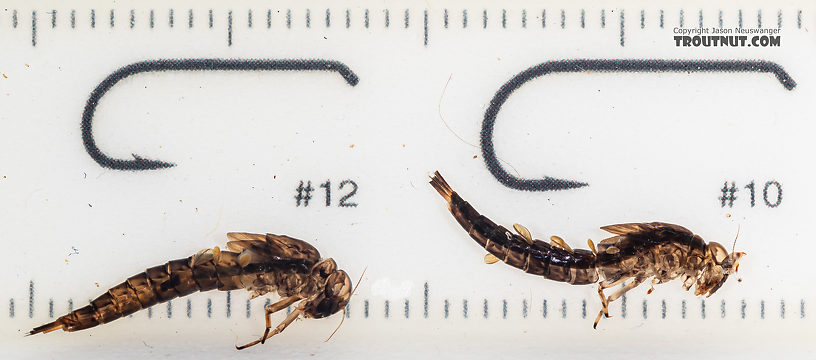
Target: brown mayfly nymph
column 636, row 252
column 256, row 262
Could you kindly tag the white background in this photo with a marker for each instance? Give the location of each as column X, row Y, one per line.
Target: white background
column 653, row 147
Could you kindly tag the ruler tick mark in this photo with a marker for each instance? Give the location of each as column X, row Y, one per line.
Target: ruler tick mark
column 407, row 309
column 464, row 18
column 11, row 308
column 583, row 19
column 563, row 308
column 30, row 299
column 387, row 18
column 622, row 32
column 112, row 18
column 190, row 18
column 739, row 18
column 504, row 18
column 779, row 19
column 425, row 33
column 722, row 309
column 742, row 309
column 328, row 18
column 308, row 18
column 407, row 17
column 93, row 19
column 209, row 308
column 645, row 309
column 544, row 308
column 464, row 308
column 170, row 309
column 288, row 18
column 642, row 18
column 425, row 297
column 152, row 18
column 53, row 18
column 51, row 308
column 603, row 18
column 73, row 19
column 682, row 18
column 268, row 18
column 762, row 309
column 583, row 308
column 229, row 35
column 700, row 18
column 211, row 18
column 365, row 308
column 543, row 19
column 799, row 19
column 683, row 309
column 504, row 309
column 366, row 19
column 132, row 18
column 563, row 18
column 702, row 309
column 14, row 19
column 249, row 18
column 524, row 18
column 34, row 28
column 719, row 18
column 524, row 308
column 171, row 18
column 229, row 304
column 661, row 18
column 189, row 309
column 759, row 18
column 484, row 309
column 623, row 306
column 663, row 309
column 781, row 309
column 446, row 307
column 348, row 18
column 802, row 309
column 248, row 309
column 386, row 309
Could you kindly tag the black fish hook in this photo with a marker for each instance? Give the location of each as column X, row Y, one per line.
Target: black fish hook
column 549, row 183
column 140, row 163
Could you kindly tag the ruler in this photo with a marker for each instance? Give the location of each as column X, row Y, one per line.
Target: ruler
column 133, row 134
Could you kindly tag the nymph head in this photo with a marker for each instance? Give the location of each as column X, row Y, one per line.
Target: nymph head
column 336, row 290
column 718, row 265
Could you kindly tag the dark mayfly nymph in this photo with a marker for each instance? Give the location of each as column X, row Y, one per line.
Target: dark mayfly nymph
column 637, row 251
column 257, row 262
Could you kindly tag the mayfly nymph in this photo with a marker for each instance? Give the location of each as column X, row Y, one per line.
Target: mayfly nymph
column 256, row 262
column 635, row 253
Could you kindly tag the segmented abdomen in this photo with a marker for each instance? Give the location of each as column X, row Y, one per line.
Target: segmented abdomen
column 538, row 258
column 174, row 279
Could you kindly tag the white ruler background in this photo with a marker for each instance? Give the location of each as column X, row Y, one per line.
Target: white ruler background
column 653, row 146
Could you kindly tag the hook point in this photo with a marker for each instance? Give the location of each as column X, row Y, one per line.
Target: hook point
column 141, row 163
